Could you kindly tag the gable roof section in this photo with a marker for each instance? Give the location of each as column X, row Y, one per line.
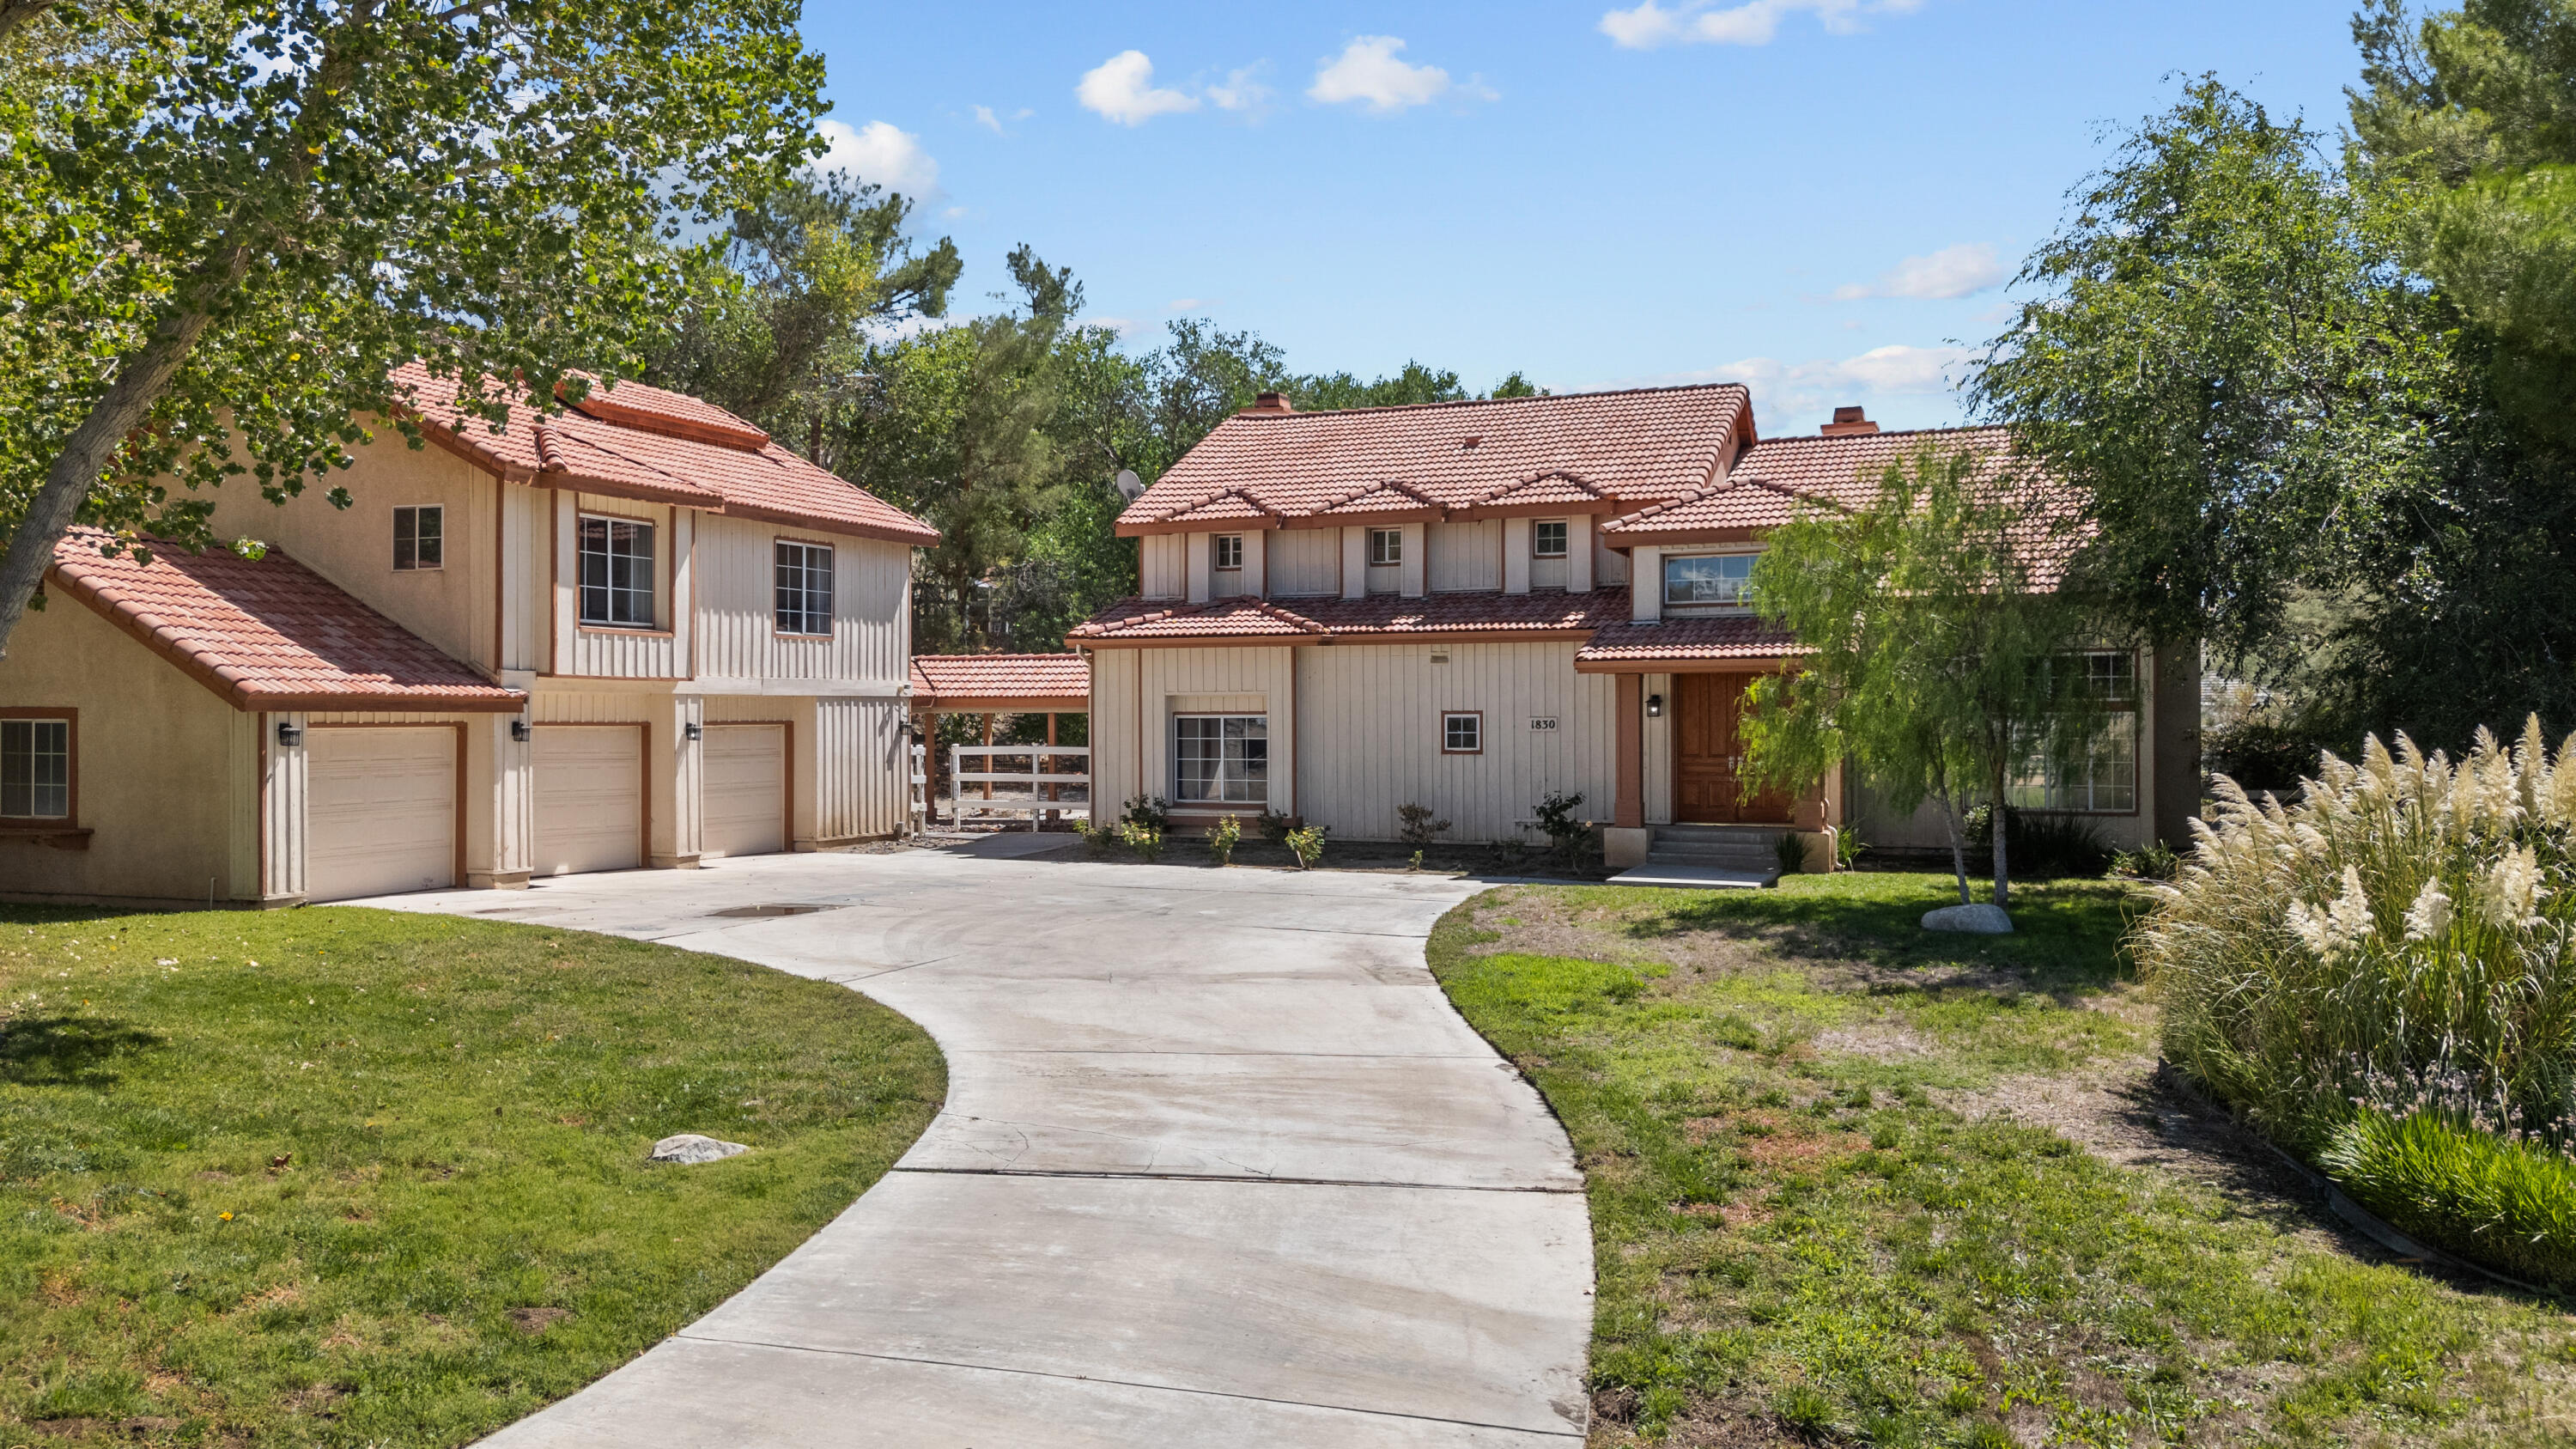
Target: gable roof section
column 1738, row 508
column 1441, row 458
column 1623, row 647
column 657, row 446
column 268, row 634
column 971, row 681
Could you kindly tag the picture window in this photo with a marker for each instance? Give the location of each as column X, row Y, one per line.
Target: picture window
column 1221, row 759
column 1705, row 579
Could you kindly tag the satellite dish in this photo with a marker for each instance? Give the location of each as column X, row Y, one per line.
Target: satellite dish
column 1129, row 486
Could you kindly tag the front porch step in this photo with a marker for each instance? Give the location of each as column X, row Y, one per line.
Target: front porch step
column 1705, row 857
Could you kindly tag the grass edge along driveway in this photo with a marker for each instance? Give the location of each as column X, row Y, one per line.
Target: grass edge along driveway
column 1811, row 1228
column 343, row 1177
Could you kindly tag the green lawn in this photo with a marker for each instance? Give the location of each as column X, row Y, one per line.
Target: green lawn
column 1852, row 1183
column 339, row 1176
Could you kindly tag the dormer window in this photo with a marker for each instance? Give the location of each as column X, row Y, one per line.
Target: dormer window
column 1227, row 550
column 1547, row 538
column 1385, row 547
column 1720, row 580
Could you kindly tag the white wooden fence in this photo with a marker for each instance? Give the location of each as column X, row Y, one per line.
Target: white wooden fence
column 1034, row 779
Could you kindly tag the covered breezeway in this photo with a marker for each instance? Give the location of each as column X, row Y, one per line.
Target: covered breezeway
column 1056, row 780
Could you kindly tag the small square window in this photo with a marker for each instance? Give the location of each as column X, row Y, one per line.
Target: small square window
column 1462, row 732
column 1229, row 550
column 1547, row 538
column 1385, row 547
column 420, row 538
column 35, row 769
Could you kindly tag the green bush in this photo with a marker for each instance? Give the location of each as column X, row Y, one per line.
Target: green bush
column 1307, row 845
column 2040, row 846
column 1223, row 837
column 2505, row 1202
column 2398, row 946
column 1143, row 839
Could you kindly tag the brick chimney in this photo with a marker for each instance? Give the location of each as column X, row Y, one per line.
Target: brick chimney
column 1848, row 422
column 1271, row 402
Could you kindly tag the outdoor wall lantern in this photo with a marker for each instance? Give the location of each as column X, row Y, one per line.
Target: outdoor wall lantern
column 694, row 731
column 1654, row 706
column 518, row 732
column 289, row 736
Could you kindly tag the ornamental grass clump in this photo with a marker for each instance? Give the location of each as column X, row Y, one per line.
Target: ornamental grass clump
column 2382, row 978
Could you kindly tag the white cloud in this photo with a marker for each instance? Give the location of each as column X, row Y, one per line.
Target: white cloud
column 1954, row 271
column 1701, row 22
column 1368, row 72
column 1122, row 89
column 880, row 153
column 1241, row 90
column 985, row 118
column 1810, row 389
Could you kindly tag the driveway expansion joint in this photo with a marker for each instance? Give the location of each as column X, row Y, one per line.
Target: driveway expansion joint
column 1574, row 1189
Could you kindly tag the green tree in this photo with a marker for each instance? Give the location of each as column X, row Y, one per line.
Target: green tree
column 778, row 327
column 1938, row 643
column 2218, row 356
column 220, row 240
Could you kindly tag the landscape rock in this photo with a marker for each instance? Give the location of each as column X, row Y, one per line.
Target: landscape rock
column 1981, row 919
column 689, row 1147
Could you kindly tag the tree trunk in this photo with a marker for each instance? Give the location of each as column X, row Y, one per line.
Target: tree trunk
column 1951, row 822
column 2003, row 822
column 92, row 445
column 16, row 15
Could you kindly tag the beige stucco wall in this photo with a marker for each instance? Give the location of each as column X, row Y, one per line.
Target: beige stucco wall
column 168, row 772
column 450, row 606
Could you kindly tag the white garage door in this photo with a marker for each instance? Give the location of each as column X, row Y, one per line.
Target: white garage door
column 380, row 811
column 590, row 797
column 743, row 790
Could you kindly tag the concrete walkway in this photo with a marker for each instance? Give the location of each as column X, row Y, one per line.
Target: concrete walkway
column 1219, row 1165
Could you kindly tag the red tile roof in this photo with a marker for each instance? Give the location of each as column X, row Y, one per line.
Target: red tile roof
column 965, row 678
column 1735, row 507
column 269, row 634
column 1847, row 468
column 1379, row 615
column 1637, row 446
column 1623, row 647
column 634, row 441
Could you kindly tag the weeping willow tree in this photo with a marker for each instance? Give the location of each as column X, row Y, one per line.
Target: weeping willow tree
column 1941, row 657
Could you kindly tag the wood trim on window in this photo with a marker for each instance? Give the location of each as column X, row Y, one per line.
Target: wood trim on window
column 828, row 635
column 68, row 823
column 1447, row 715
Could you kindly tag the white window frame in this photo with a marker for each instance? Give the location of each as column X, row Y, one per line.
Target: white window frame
column 21, row 799
column 409, row 536
column 1738, row 598
column 794, row 588
column 610, row 591
column 1234, row 782
column 1386, row 548
column 1538, row 537
column 1225, row 552
column 1474, row 733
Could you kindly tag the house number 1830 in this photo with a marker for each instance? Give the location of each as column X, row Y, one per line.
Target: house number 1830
column 1544, row 722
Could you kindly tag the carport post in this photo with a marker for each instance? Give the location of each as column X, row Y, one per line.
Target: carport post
column 1050, row 789
column 988, row 755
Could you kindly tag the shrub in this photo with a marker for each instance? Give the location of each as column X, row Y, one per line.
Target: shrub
column 1098, row 841
column 1143, row 839
column 1414, row 825
column 1790, row 852
column 1223, row 837
column 2041, row 845
column 1308, row 845
column 2492, row 1196
column 1274, row 826
column 1848, row 847
column 2153, row 861
column 1566, row 834
column 1152, row 811
column 2401, row 942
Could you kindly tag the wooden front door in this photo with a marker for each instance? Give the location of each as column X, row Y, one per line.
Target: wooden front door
column 1707, row 754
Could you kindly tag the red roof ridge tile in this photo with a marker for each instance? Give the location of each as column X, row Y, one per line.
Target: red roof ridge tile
column 1476, row 402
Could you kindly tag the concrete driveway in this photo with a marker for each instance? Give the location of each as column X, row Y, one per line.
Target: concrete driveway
column 1219, row 1165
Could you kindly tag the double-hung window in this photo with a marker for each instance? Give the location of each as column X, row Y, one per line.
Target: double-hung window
column 420, row 538
column 804, row 588
column 1708, row 579
column 35, row 769
column 1385, row 548
column 1547, row 538
column 617, row 573
column 1228, row 550
column 1221, row 759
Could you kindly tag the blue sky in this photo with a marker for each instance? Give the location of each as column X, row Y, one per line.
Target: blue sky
column 1821, row 198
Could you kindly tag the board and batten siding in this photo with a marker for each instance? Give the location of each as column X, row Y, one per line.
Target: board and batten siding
column 1133, row 694
column 1162, row 565
column 610, row 653
column 1465, row 557
column 1369, row 734
column 858, row 757
column 737, row 600
column 1305, row 562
